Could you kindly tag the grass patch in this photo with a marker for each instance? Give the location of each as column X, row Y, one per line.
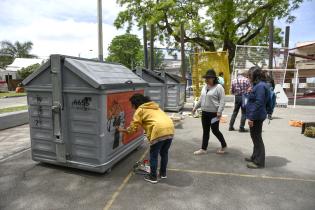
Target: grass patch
column 12, row 109
column 11, row 93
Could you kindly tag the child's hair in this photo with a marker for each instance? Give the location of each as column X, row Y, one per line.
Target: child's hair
column 221, row 74
column 138, row 99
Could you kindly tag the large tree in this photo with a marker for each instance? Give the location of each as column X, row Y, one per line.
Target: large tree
column 17, row 50
column 9, row 51
column 125, row 49
column 207, row 23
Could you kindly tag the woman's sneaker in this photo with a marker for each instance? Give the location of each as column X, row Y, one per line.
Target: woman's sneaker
column 150, row 179
column 200, row 152
column 162, row 176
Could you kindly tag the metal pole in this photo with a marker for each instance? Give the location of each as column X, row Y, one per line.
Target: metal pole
column 286, row 52
column 145, row 47
column 182, row 50
column 270, row 44
column 296, row 86
column 287, row 36
column 152, row 47
column 100, row 30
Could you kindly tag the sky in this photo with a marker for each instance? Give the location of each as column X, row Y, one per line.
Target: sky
column 70, row 26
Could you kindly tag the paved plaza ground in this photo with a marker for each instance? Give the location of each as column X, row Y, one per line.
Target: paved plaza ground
column 210, row 181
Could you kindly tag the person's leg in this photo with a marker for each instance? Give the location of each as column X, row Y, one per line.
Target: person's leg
column 164, row 156
column 206, row 122
column 237, row 105
column 243, row 119
column 258, row 156
column 252, row 131
column 154, row 152
column 218, row 134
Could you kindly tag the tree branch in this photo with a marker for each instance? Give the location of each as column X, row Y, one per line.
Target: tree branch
column 253, row 14
column 255, row 33
column 246, row 34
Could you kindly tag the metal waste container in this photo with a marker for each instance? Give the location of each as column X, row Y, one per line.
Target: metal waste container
column 74, row 106
column 174, row 92
column 182, row 89
column 156, row 88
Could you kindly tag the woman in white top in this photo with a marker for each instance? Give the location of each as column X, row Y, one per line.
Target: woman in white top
column 212, row 104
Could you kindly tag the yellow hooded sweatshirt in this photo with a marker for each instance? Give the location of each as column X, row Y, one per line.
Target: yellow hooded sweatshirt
column 154, row 121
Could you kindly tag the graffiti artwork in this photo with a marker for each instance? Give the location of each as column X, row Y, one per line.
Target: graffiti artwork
column 120, row 113
column 82, row 104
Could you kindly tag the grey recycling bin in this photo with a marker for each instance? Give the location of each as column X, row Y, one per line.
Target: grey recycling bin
column 182, row 89
column 156, row 88
column 174, row 92
column 74, row 107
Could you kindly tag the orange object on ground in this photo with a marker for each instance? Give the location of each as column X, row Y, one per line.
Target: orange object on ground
column 296, row 123
column 19, row 90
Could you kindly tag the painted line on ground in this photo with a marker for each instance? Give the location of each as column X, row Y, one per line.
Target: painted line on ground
column 122, row 186
column 241, row 175
column 15, row 154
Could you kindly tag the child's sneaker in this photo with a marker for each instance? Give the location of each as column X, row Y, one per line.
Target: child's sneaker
column 150, row 179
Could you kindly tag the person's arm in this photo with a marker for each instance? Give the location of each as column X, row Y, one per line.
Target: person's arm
column 198, row 104
column 134, row 124
column 221, row 100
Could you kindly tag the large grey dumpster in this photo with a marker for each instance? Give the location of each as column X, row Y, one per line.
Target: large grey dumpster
column 156, row 88
column 174, row 92
column 74, row 106
column 182, row 89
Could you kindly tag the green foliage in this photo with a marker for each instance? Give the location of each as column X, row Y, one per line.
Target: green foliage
column 262, row 39
column 25, row 72
column 13, row 109
column 158, row 59
column 9, row 51
column 5, row 60
column 125, row 49
column 17, row 50
column 207, row 22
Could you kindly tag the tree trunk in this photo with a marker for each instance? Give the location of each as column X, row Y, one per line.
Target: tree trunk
column 230, row 47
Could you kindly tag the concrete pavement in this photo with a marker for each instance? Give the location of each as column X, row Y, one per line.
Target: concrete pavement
column 14, row 140
column 13, row 101
column 210, row 181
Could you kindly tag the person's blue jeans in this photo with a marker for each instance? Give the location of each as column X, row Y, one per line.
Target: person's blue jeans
column 161, row 147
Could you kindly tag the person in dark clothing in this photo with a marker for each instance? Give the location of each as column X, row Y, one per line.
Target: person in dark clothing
column 241, row 85
column 257, row 108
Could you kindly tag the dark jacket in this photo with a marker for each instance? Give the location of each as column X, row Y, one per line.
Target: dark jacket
column 259, row 104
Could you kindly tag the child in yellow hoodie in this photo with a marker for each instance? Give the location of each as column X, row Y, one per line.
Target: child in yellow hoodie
column 159, row 129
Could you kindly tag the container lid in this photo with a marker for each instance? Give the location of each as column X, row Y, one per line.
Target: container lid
column 150, row 76
column 97, row 74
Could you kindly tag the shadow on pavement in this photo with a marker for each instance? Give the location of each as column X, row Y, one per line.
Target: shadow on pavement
column 276, row 161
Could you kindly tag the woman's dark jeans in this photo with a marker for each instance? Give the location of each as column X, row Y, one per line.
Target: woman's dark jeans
column 258, row 156
column 206, row 125
column 161, row 147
